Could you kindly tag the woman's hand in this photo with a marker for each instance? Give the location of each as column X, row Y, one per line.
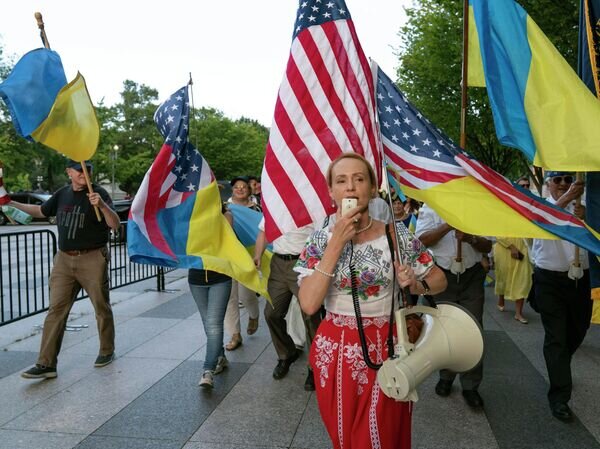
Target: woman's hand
column 405, row 275
column 345, row 227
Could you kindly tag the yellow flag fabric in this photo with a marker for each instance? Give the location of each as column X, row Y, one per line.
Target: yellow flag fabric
column 475, row 74
column 212, row 238
column 71, row 127
column 539, row 104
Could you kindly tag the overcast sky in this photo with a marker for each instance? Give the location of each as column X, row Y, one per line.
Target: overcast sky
column 236, row 50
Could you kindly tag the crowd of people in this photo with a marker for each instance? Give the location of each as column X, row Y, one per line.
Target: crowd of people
column 347, row 279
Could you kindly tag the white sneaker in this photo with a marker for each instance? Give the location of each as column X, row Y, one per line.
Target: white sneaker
column 206, row 381
column 222, row 363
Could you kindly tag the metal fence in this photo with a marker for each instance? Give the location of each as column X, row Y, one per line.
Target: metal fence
column 25, row 265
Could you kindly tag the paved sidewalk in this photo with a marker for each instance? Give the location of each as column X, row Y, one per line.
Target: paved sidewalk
column 149, row 398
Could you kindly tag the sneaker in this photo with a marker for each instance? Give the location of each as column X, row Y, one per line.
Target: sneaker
column 39, row 372
column 103, row 360
column 206, row 381
column 222, row 363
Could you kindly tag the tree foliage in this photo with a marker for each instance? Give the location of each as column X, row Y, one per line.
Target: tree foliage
column 231, row 147
column 430, row 59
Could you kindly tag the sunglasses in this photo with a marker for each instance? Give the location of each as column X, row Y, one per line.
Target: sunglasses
column 568, row 179
column 525, row 186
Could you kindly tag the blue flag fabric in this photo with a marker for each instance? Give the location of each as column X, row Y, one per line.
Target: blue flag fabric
column 587, row 68
column 31, row 88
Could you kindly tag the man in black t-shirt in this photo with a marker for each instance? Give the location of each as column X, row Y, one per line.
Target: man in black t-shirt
column 81, row 262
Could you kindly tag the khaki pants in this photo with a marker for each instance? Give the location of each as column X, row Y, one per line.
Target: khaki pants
column 71, row 273
column 283, row 283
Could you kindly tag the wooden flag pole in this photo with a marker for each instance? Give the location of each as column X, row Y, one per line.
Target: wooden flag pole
column 463, row 97
column 40, row 23
column 578, row 177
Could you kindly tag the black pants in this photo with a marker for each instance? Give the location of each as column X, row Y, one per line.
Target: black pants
column 466, row 290
column 566, row 310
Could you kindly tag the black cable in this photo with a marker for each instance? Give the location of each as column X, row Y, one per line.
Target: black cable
column 359, row 323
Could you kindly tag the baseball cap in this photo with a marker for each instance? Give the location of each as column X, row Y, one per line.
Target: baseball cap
column 77, row 165
column 239, row 178
column 552, row 174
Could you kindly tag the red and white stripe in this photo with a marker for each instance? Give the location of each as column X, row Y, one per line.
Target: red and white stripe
column 325, row 107
column 529, row 207
column 418, row 172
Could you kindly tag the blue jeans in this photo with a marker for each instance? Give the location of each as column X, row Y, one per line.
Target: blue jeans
column 212, row 303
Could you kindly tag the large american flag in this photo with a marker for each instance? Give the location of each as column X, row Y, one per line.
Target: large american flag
column 421, row 157
column 178, row 171
column 325, row 107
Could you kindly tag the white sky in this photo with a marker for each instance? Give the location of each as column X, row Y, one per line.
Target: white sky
column 236, row 50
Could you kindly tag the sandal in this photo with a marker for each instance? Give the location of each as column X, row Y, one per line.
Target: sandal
column 234, row 343
column 522, row 320
column 252, row 326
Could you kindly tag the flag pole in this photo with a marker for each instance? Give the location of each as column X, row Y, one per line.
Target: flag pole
column 40, row 23
column 463, row 101
column 405, row 292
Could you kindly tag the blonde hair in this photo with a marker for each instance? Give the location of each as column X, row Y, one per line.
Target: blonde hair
column 356, row 156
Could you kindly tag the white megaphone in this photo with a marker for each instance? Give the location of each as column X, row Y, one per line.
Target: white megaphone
column 450, row 339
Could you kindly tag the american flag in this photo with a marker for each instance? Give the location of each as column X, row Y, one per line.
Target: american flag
column 423, row 159
column 178, row 171
column 325, row 107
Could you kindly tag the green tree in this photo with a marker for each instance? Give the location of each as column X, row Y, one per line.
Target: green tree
column 230, row 147
column 130, row 126
column 430, row 59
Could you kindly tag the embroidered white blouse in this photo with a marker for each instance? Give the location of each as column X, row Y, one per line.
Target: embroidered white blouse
column 373, row 267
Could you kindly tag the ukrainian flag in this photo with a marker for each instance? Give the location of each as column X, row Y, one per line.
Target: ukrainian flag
column 539, row 104
column 46, row 109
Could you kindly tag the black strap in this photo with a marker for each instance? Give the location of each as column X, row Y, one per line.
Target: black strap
column 356, row 303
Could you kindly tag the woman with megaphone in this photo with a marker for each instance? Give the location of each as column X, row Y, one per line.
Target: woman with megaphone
column 348, row 267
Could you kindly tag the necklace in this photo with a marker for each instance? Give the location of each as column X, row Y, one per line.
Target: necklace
column 367, row 227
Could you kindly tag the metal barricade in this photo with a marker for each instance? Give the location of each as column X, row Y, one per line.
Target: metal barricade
column 26, row 262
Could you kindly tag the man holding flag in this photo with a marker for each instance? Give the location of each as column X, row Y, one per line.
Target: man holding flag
column 562, row 296
column 81, row 262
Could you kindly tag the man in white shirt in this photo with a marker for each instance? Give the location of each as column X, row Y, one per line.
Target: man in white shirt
column 282, row 285
column 563, row 302
column 465, row 286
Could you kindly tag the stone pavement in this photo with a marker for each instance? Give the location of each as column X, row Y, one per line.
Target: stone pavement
column 149, row 398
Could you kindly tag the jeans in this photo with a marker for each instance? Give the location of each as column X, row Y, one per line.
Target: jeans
column 212, row 304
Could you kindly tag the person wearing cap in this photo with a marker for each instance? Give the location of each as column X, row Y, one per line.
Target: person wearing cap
column 81, row 262
column 239, row 293
column 241, row 197
column 563, row 302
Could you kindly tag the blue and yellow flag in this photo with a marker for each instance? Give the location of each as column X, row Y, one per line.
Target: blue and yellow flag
column 46, row 109
column 176, row 218
column 469, row 196
column 539, row 104
column 587, row 67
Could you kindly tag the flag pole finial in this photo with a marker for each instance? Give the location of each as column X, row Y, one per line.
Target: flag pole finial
column 40, row 23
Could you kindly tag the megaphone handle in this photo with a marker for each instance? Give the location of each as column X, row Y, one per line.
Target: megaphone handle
column 401, row 328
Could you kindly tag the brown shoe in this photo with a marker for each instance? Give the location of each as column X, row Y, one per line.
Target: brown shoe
column 234, row 343
column 252, row 326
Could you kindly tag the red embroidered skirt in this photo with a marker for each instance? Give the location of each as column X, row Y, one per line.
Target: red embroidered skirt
column 355, row 411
